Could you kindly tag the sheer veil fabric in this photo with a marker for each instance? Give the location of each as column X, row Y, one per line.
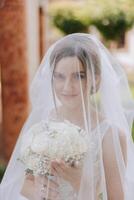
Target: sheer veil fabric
column 79, row 81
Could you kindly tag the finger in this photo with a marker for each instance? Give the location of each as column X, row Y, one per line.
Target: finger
column 29, row 176
column 44, row 180
column 39, row 179
column 51, row 183
column 61, row 168
column 58, row 169
column 48, row 193
column 56, row 163
column 53, row 171
column 64, row 165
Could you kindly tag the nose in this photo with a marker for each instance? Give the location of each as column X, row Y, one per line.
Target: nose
column 68, row 86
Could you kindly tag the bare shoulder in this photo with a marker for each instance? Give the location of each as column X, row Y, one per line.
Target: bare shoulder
column 110, row 140
column 111, row 133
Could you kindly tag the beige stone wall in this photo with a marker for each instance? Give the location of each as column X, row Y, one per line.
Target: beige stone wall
column 14, row 72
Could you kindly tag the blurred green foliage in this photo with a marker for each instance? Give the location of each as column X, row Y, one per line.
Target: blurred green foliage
column 111, row 18
column 2, row 170
column 69, row 17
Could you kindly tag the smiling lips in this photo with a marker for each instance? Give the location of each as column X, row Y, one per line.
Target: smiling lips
column 69, row 95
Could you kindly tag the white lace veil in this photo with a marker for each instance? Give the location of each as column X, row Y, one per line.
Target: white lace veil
column 98, row 101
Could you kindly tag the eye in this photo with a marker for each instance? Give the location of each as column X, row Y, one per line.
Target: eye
column 58, row 76
column 80, row 76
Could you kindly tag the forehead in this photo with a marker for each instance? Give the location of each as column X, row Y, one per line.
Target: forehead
column 69, row 64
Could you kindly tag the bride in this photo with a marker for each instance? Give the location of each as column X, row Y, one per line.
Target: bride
column 80, row 82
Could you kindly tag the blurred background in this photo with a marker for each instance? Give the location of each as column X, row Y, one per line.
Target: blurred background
column 29, row 27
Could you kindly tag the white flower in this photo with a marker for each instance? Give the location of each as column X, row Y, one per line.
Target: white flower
column 46, row 141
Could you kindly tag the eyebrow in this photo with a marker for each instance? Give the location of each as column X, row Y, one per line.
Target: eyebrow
column 81, row 72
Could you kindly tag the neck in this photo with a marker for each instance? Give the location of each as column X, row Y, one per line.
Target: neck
column 76, row 116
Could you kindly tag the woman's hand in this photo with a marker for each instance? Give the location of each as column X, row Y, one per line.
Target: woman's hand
column 47, row 188
column 68, row 173
column 39, row 188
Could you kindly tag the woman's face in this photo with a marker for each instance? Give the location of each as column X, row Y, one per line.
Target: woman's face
column 69, row 82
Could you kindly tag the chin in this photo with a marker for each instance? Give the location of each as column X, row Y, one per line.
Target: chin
column 71, row 105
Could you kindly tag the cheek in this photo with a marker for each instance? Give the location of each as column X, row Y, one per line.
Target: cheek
column 84, row 85
column 57, row 87
column 81, row 87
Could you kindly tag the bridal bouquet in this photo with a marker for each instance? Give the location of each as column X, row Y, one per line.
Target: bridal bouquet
column 47, row 141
